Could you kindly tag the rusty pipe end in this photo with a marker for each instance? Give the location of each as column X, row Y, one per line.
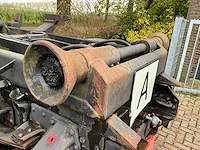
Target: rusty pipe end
column 160, row 38
column 47, row 72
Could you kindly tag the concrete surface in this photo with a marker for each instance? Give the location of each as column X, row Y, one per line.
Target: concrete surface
column 184, row 131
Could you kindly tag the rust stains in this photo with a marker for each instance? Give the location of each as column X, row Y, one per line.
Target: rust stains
column 121, row 133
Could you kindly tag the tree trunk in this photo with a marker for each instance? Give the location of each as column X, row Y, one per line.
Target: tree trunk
column 107, row 10
column 64, row 7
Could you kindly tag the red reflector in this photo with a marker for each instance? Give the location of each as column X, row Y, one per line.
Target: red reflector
column 51, row 139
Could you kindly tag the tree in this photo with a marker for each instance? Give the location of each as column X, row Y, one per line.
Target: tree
column 106, row 7
column 102, row 8
column 138, row 18
column 64, row 7
column 144, row 17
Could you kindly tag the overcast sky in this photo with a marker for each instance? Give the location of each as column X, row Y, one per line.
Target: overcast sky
column 75, row 2
column 10, row 1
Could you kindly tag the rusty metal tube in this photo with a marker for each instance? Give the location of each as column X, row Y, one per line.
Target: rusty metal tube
column 51, row 73
column 136, row 49
column 150, row 44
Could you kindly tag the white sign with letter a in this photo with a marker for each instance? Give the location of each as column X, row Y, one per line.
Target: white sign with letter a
column 142, row 89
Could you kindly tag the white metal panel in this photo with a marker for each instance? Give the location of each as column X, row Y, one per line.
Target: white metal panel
column 142, row 89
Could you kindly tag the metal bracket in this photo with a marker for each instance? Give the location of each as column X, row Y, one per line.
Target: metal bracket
column 26, row 131
column 60, row 136
column 4, row 83
column 16, row 94
column 57, row 125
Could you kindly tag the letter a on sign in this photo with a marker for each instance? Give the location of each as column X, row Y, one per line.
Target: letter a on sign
column 142, row 89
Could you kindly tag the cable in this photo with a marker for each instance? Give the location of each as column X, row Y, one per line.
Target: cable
column 75, row 46
column 102, row 43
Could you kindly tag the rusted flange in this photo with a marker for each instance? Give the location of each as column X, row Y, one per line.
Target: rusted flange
column 34, row 58
column 160, row 38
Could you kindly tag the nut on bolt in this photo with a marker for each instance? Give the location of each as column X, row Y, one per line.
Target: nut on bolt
column 43, row 114
column 29, row 130
column 71, row 132
column 33, row 109
column 20, row 135
column 52, row 122
column 76, row 147
column 11, row 121
column 96, row 147
column 82, row 140
column 155, row 121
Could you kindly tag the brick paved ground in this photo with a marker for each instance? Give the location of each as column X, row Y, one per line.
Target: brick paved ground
column 184, row 132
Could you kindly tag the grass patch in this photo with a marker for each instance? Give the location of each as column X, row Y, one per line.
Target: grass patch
column 30, row 17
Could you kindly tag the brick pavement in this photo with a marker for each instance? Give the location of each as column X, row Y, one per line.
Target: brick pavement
column 184, row 131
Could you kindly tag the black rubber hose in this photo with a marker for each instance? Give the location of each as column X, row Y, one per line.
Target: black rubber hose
column 102, row 43
column 75, row 46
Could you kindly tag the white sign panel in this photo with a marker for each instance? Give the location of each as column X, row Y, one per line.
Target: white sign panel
column 142, row 89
